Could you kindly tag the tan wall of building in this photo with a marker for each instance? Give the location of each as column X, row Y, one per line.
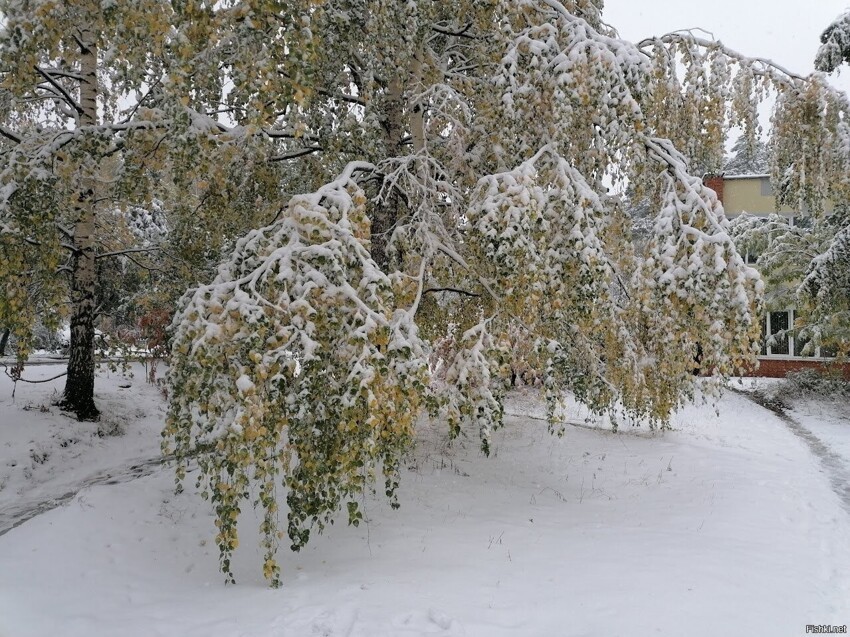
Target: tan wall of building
column 746, row 195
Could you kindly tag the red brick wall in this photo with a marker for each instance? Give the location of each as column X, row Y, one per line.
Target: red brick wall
column 715, row 182
column 777, row 368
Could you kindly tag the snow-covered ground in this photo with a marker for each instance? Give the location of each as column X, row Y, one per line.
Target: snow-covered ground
column 728, row 525
column 829, row 421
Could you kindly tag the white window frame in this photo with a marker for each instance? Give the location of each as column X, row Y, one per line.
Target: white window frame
column 792, row 345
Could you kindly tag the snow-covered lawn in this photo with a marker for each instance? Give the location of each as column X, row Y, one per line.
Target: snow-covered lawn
column 728, row 525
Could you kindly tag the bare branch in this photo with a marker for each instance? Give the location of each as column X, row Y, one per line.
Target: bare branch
column 462, row 33
column 67, row 246
column 60, row 89
column 345, row 97
column 15, row 375
column 296, row 154
column 63, row 73
column 118, row 253
column 35, row 242
column 66, row 231
column 5, row 132
column 138, row 104
column 143, row 266
column 455, row 290
column 277, row 133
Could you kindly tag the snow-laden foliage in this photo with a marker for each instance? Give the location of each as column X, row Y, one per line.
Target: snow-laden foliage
column 464, row 162
column 805, row 266
column 748, row 157
column 311, row 372
column 551, row 245
column 826, row 287
column 835, row 44
column 117, row 105
column 809, row 147
column 701, row 293
column 782, row 253
column 492, row 133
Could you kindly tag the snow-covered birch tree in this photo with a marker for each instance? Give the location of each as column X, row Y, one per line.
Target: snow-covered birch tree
column 65, row 69
column 433, row 172
column 109, row 105
column 468, row 160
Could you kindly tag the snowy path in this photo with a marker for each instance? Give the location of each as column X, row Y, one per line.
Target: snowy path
column 25, row 509
column 47, row 458
column 834, row 465
column 727, row 525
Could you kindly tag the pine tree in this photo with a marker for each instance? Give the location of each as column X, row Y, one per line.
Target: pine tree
column 749, row 157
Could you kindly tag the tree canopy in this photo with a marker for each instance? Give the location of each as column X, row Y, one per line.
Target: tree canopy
column 428, row 183
column 479, row 159
column 108, row 108
column 835, row 44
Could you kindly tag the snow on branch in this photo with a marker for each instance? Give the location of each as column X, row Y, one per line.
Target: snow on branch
column 688, row 42
column 546, row 236
column 699, row 291
column 297, row 357
column 835, row 44
column 474, row 396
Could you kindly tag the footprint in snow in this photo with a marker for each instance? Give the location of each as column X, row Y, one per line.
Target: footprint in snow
column 433, row 622
column 440, row 618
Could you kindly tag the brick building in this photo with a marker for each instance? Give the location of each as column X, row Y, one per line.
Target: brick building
column 754, row 194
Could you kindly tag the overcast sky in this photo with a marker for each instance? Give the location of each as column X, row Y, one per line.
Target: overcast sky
column 786, row 31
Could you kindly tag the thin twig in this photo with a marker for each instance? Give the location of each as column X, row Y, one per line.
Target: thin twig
column 61, row 89
column 118, row 253
column 456, row 290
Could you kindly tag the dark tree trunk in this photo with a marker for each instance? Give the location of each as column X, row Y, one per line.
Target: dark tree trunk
column 79, row 385
column 385, row 216
column 4, row 340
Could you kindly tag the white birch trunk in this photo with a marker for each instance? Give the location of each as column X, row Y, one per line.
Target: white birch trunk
column 79, row 387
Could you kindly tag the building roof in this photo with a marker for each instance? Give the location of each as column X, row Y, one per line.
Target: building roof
column 753, row 176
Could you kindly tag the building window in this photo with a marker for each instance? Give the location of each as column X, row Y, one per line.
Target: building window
column 778, row 341
column 766, row 187
column 763, row 339
column 778, row 338
column 801, row 221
